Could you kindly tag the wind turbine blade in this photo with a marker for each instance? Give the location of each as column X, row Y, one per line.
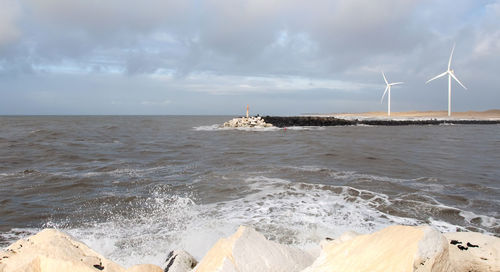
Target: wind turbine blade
column 396, row 83
column 386, row 88
column 451, row 56
column 385, row 79
column 438, row 76
column 454, row 77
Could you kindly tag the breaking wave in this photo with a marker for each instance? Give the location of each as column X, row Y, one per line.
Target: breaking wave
column 145, row 229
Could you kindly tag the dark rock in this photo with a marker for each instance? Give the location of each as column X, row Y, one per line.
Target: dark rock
column 290, row 121
column 462, row 247
column 171, row 258
column 454, row 242
column 471, row 245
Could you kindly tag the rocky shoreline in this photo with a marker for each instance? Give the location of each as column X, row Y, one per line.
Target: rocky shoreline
column 395, row 248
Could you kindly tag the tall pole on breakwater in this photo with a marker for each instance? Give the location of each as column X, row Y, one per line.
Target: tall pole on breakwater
column 247, row 110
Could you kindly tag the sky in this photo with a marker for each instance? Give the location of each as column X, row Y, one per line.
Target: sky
column 213, row 57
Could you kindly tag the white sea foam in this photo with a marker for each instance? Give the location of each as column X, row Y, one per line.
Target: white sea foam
column 295, row 213
column 443, row 226
column 207, row 128
column 305, row 128
column 254, row 128
column 308, row 168
column 345, row 175
column 487, row 221
column 217, row 127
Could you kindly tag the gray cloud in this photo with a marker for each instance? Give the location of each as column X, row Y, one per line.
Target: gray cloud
column 9, row 14
column 265, row 43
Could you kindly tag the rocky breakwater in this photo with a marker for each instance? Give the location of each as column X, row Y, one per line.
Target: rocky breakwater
column 395, row 248
column 247, row 122
column 290, row 121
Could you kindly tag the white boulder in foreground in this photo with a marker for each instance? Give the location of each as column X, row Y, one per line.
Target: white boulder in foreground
column 52, row 251
column 396, row 248
column 249, row 251
column 247, row 122
column 471, row 251
column 179, row 261
column 145, row 268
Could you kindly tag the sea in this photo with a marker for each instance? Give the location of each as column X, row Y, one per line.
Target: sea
column 135, row 187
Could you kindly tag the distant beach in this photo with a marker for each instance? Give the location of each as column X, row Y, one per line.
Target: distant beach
column 424, row 115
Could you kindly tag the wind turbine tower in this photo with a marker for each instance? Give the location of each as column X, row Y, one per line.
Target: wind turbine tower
column 451, row 74
column 388, row 91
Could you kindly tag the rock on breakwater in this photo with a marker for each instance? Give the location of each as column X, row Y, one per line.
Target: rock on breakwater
column 303, row 121
column 247, row 122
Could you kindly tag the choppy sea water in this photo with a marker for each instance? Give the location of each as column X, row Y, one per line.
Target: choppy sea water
column 135, row 187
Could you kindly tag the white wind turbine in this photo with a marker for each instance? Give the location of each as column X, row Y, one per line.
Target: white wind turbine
column 450, row 74
column 388, row 91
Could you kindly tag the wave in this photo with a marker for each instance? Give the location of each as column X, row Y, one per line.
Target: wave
column 52, row 134
column 144, row 230
column 208, row 128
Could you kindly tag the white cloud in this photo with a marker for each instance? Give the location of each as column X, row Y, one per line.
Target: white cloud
column 235, row 84
column 156, row 103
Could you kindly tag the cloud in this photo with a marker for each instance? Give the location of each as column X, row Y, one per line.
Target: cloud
column 9, row 14
column 156, row 103
column 488, row 34
column 239, row 85
column 217, row 35
column 237, row 48
column 101, row 18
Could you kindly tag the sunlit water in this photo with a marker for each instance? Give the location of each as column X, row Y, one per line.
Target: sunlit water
column 134, row 188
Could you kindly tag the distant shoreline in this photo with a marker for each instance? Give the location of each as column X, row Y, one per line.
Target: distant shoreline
column 417, row 115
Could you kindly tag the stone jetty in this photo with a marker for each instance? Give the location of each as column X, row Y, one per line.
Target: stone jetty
column 395, row 248
column 290, row 121
column 247, row 122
